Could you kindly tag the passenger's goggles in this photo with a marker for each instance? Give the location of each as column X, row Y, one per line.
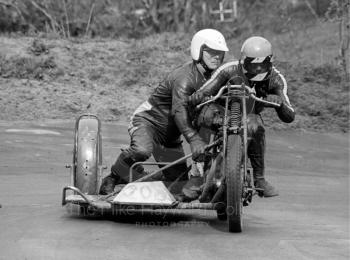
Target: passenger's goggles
column 213, row 52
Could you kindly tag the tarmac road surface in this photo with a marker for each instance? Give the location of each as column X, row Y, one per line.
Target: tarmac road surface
column 309, row 220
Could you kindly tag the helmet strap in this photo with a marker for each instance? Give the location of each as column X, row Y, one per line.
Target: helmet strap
column 204, row 68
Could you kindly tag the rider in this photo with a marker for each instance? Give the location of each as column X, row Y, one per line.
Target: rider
column 157, row 124
column 256, row 69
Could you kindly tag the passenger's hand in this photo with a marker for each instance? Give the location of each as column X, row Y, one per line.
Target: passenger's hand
column 195, row 98
column 197, row 148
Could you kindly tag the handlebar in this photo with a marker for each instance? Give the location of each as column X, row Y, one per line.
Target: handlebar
column 250, row 91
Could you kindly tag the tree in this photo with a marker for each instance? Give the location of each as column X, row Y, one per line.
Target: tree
column 339, row 11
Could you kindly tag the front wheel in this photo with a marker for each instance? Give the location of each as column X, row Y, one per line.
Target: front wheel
column 234, row 183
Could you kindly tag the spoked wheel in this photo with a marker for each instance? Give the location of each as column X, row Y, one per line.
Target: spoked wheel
column 234, row 183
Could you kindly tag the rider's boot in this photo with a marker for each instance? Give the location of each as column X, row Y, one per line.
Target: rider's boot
column 116, row 176
column 120, row 174
column 108, row 184
column 269, row 190
column 192, row 189
column 256, row 153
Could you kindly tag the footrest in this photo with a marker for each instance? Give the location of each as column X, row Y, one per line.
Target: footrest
column 95, row 202
column 77, row 199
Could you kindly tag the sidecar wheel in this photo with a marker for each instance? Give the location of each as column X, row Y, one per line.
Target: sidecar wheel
column 87, row 155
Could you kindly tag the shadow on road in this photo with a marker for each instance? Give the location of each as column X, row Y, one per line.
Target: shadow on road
column 160, row 217
column 151, row 218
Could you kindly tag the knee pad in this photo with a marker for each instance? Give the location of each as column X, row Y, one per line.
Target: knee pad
column 136, row 154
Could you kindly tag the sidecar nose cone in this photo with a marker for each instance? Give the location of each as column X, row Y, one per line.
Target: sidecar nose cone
column 145, row 193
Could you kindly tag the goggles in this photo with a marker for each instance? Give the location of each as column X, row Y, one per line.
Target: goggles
column 256, row 66
column 213, row 52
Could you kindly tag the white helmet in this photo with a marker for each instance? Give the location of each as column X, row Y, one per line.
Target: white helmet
column 207, row 37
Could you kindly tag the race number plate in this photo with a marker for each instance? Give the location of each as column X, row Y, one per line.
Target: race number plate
column 145, row 193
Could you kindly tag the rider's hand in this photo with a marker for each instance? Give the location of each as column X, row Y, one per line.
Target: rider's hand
column 197, row 148
column 195, row 98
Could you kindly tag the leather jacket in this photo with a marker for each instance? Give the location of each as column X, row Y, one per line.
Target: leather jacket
column 274, row 85
column 166, row 108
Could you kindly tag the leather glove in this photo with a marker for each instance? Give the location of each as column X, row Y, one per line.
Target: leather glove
column 195, row 98
column 197, row 148
column 286, row 113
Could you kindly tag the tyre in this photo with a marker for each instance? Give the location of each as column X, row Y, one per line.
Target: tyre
column 234, row 183
column 87, row 154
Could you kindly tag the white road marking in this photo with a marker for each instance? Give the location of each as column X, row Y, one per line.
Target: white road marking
column 33, row 131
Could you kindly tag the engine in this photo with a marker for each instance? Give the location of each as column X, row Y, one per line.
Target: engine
column 210, row 116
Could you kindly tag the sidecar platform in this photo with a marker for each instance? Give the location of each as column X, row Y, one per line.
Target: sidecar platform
column 134, row 196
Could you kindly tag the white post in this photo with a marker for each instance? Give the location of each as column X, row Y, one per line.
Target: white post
column 234, row 6
column 221, row 8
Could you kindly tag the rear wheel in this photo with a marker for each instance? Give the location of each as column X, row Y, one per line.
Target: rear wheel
column 234, row 183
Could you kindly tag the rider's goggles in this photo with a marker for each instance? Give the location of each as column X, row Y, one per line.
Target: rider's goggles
column 256, row 66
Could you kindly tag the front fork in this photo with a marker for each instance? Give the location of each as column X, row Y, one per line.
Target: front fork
column 248, row 182
column 248, row 188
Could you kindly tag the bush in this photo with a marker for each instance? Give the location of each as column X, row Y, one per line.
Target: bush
column 319, row 96
column 28, row 67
